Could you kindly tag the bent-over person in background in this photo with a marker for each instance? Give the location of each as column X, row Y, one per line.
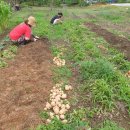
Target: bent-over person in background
column 57, row 19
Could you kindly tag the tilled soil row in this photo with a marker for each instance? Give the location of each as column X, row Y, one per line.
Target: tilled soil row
column 118, row 42
column 25, row 87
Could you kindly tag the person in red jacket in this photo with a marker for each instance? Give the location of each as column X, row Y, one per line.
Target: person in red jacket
column 22, row 33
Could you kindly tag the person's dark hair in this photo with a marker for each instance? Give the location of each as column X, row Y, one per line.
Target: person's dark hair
column 26, row 21
column 61, row 14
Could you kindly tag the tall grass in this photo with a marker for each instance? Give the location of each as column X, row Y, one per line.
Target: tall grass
column 4, row 14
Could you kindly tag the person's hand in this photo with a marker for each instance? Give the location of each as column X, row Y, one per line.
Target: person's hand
column 36, row 37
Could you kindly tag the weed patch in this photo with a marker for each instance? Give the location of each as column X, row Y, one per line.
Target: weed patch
column 109, row 125
column 97, row 69
column 62, row 73
column 2, row 63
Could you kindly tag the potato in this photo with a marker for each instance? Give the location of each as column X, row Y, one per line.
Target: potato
column 64, row 96
column 62, row 117
column 62, row 111
column 64, row 121
column 53, row 103
column 48, row 106
column 56, row 110
column 67, row 87
column 48, row 120
column 67, row 106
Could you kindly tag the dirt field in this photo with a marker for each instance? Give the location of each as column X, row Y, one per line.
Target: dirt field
column 24, row 87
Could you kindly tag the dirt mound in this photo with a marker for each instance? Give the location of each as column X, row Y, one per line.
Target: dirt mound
column 118, row 42
column 25, row 86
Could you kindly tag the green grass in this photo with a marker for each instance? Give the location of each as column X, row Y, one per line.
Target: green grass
column 109, row 125
column 76, row 120
column 4, row 15
column 7, row 54
column 100, row 74
column 97, row 69
column 62, row 73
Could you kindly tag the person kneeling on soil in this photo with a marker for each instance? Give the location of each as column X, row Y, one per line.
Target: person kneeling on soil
column 22, row 33
column 57, row 19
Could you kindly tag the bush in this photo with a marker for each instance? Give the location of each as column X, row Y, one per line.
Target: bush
column 4, row 14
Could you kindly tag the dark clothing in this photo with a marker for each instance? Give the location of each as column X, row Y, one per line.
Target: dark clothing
column 53, row 19
column 17, row 8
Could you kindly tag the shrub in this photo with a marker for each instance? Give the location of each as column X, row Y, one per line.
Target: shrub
column 2, row 63
column 4, row 14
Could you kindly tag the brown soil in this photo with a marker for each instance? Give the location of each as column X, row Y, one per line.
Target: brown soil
column 118, row 42
column 25, row 86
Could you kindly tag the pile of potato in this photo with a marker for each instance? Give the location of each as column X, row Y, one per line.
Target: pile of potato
column 58, row 105
column 58, row 61
column 102, row 48
column 128, row 74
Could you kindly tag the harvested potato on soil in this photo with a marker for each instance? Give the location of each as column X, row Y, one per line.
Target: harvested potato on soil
column 68, row 87
column 64, row 121
column 128, row 74
column 56, row 109
column 48, row 120
column 48, row 105
column 59, row 62
column 57, row 106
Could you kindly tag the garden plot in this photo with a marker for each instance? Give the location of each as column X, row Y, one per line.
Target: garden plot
column 25, row 86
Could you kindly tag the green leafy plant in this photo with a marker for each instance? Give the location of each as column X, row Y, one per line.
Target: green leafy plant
column 44, row 115
column 4, row 14
column 13, row 49
column 7, row 54
column 2, row 63
column 55, row 50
